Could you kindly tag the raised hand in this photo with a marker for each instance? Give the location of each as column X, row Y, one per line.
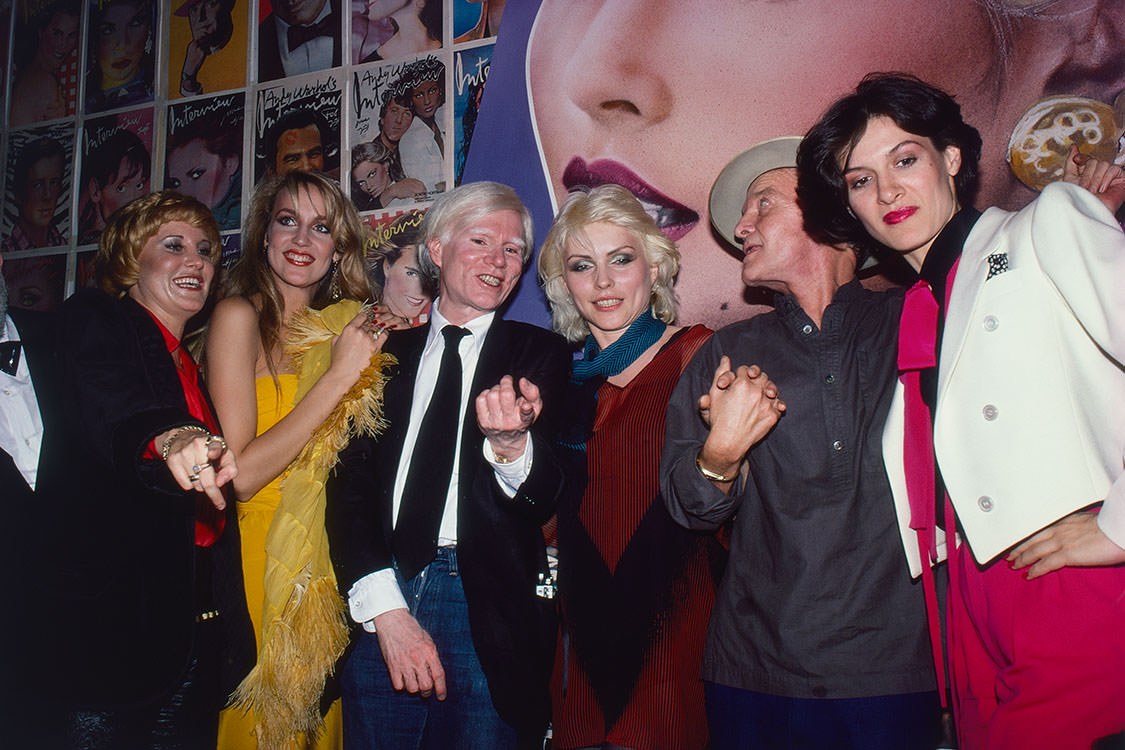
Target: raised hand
column 505, row 415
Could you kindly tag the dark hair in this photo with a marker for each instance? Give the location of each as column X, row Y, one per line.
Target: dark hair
column 26, row 46
column 104, row 163
column 402, row 233
column 224, row 29
column 98, row 100
column 916, row 107
column 220, row 130
column 32, row 153
column 295, row 119
column 401, row 98
column 430, row 16
column 414, row 74
column 468, row 125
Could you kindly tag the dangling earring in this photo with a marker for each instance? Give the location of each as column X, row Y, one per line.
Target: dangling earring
column 334, row 285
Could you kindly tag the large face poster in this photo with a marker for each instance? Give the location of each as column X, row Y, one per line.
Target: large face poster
column 658, row 96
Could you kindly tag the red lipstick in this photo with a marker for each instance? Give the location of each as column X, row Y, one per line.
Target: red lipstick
column 899, row 215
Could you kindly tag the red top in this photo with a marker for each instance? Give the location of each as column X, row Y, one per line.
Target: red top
column 209, row 520
column 664, row 707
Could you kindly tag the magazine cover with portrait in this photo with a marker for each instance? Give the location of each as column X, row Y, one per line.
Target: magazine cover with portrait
column 659, row 96
column 116, row 164
column 297, row 37
column 121, row 53
column 470, row 71
column 476, row 19
column 297, row 126
column 386, row 226
column 207, row 46
column 37, row 188
column 394, row 29
column 44, row 59
column 37, row 282
column 398, row 132
column 203, row 154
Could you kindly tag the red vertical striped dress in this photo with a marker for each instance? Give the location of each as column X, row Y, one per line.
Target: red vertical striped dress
column 636, row 589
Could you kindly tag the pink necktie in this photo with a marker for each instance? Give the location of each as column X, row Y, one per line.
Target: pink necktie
column 917, row 342
column 917, row 351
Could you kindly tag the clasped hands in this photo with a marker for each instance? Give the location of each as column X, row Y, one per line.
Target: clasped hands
column 739, row 409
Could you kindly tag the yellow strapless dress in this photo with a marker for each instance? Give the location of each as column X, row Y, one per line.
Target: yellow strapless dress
column 236, row 729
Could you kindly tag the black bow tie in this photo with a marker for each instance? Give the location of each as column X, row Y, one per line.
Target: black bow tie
column 298, row 35
column 10, row 357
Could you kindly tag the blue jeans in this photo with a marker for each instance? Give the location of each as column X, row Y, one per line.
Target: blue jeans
column 378, row 717
column 742, row 719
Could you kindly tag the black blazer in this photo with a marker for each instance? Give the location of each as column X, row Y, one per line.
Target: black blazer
column 500, row 545
column 23, row 682
column 269, row 56
column 124, row 531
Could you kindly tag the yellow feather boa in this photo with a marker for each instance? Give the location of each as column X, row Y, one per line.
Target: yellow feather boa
column 305, row 627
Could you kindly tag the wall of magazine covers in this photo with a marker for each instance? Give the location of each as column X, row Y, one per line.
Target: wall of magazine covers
column 105, row 100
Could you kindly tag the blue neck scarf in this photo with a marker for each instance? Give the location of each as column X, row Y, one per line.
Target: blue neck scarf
column 642, row 333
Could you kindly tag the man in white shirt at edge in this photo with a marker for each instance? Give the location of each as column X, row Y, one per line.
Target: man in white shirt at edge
column 476, row 606
column 24, row 355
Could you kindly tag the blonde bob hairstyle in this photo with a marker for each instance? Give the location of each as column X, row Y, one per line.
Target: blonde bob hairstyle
column 615, row 205
column 251, row 277
column 117, row 265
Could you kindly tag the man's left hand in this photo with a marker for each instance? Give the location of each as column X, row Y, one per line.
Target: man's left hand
column 1105, row 180
column 505, row 416
column 1074, row 541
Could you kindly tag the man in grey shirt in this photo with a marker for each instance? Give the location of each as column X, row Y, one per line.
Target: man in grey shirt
column 819, row 636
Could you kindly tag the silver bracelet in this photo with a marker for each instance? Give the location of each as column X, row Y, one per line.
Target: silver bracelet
column 164, row 449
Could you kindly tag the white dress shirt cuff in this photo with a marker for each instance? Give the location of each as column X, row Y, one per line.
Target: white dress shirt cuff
column 510, row 474
column 373, row 595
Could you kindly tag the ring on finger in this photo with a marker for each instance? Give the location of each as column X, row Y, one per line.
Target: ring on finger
column 215, row 439
column 193, row 477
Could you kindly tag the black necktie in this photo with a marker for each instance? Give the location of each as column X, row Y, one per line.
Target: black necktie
column 298, row 35
column 431, row 465
column 10, row 357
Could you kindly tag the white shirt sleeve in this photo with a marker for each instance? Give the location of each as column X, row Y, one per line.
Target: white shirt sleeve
column 373, row 595
column 510, row 474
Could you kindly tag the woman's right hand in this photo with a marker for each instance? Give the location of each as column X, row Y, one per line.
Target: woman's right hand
column 200, row 462
column 353, row 348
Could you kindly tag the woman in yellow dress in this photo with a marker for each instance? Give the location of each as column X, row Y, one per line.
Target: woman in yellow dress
column 286, row 412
